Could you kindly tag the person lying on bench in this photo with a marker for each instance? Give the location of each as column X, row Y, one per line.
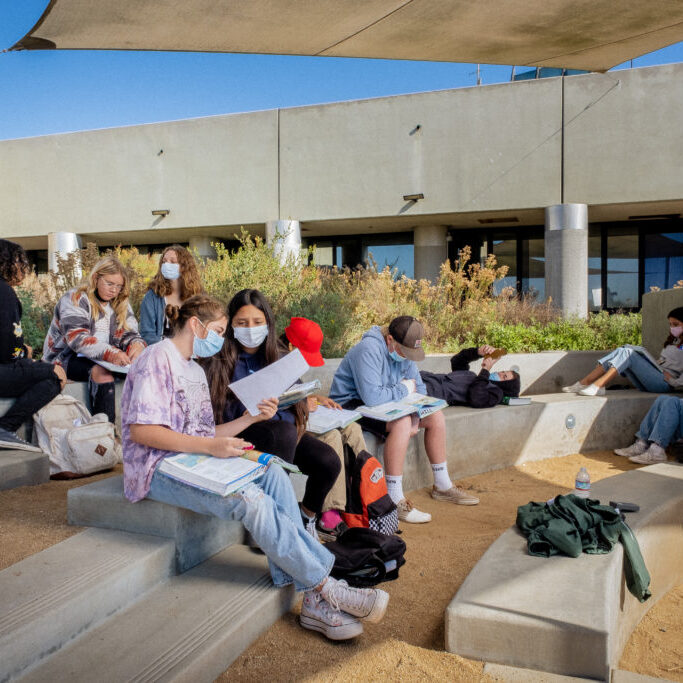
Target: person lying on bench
column 166, row 409
column 32, row 383
column 462, row 387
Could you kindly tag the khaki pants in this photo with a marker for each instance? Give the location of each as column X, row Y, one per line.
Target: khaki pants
column 353, row 436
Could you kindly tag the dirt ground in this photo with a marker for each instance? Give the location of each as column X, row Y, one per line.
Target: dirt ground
column 408, row 644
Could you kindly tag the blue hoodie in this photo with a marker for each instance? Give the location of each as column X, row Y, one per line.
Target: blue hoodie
column 368, row 373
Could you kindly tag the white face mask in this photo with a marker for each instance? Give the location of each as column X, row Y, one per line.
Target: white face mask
column 251, row 337
column 171, row 271
column 676, row 331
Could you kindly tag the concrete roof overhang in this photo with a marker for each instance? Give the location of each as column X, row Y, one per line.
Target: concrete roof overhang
column 579, row 34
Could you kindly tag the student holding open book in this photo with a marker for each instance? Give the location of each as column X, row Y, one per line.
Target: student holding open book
column 634, row 362
column 166, row 409
column 382, row 368
column 251, row 343
column 307, row 336
column 91, row 323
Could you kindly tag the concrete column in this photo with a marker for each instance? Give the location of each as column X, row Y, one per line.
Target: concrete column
column 566, row 257
column 285, row 236
column 62, row 244
column 202, row 245
column 430, row 250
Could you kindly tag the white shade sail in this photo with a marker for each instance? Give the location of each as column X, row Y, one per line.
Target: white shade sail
column 577, row 34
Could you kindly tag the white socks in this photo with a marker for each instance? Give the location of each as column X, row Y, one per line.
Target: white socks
column 395, row 487
column 441, row 479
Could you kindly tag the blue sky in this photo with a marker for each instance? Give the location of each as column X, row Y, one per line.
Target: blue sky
column 54, row 92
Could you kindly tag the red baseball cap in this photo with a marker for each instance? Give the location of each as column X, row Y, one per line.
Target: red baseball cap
column 306, row 336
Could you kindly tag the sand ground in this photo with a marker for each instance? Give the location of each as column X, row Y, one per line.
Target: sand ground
column 408, row 644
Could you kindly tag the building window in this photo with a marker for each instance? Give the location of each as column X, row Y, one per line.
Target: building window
column 622, row 268
column 663, row 260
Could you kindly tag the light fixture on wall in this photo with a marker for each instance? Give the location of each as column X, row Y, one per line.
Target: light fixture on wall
column 161, row 212
column 413, row 197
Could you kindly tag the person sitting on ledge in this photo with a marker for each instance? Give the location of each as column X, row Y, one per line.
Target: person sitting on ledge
column 633, row 362
column 379, row 369
column 662, row 425
column 462, row 387
column 32, row 383
column 166, row 409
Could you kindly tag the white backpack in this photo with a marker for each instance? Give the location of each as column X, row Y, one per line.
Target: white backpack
column 77, row 442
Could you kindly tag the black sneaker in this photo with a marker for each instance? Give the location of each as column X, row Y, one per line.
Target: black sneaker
column 11, row 440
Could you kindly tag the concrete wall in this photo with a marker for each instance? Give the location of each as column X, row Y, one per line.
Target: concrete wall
column 489, row 148
column 471, row 150
column 213, row 171
column 656, row 306
column 622, row 140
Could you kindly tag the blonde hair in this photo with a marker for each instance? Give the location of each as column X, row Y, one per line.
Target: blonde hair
column 108, row 265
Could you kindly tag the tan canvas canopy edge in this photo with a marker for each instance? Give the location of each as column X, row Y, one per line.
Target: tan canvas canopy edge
column 579, row 34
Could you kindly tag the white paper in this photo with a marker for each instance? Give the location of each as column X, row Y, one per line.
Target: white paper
column 270, row 381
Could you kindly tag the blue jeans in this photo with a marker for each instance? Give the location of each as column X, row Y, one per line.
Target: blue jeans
column 642, row 374
column 662, row 424
column 269, row 512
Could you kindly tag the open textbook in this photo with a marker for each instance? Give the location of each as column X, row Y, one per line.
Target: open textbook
column 220, row 475
column 412, row 403
column 112, row 367
column 324, row 419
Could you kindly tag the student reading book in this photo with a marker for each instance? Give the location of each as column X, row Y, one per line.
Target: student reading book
column 166, row 409
column 665, row 374
column 340, row 433
column 382, row 368
column 251, row 344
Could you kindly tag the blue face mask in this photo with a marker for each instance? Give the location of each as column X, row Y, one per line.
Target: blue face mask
column 494, row 377
column 171, row 271
column 209, row 346
column 394, row 355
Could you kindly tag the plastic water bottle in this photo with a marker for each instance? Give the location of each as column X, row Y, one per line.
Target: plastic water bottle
column 582, row 487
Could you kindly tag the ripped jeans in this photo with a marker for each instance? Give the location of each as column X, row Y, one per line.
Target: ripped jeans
column 269, row 512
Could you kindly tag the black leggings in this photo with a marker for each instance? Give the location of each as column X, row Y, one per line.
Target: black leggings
column 314, row 458
column 102, row 396
column 33, row 384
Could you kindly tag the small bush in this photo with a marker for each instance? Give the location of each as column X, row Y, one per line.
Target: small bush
column 459, row 310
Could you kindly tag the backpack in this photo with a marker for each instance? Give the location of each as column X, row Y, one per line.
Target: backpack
column 367, row 502
column 364, row 557
column 76, row 442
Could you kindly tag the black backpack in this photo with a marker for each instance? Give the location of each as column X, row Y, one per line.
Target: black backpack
column 364, row 557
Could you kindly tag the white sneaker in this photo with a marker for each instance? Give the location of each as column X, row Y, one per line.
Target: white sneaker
column 410, row 514
column 309, row 525
column 592, row 390
column 368, row 604
column 652, row 455
column 640, row 446
column 318, row 615
column 573, row 388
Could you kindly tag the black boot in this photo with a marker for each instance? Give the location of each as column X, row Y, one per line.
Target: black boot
column 102, row 399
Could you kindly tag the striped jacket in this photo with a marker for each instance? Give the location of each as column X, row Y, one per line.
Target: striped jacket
column 72, row 331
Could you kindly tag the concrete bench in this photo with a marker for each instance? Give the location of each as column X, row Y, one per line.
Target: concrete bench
column 23, row 468
column 570, row 616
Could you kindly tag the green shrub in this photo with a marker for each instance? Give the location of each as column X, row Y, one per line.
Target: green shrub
column 459, row 310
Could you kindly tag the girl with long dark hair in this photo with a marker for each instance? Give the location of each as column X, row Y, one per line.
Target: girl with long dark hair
column 251, row 343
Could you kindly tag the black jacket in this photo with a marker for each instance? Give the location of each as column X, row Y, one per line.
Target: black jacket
column 461, row 386
column 11, row 335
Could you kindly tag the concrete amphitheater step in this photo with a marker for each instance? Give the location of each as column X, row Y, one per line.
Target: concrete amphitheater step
column 190, row 628
column 23, row 468
column 570, row 616
column 196, row 537
column 50, row 598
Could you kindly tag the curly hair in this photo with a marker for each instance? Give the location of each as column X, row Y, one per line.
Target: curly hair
column 106, row 266
column 190, row 282
column 14, row 265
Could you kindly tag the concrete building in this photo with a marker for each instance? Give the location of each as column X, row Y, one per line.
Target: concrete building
column 573, row 182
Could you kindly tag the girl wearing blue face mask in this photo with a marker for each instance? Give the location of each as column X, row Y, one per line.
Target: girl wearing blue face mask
column 646, row 373
column 166, row 409
column 251, row 343
column 176, row 281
